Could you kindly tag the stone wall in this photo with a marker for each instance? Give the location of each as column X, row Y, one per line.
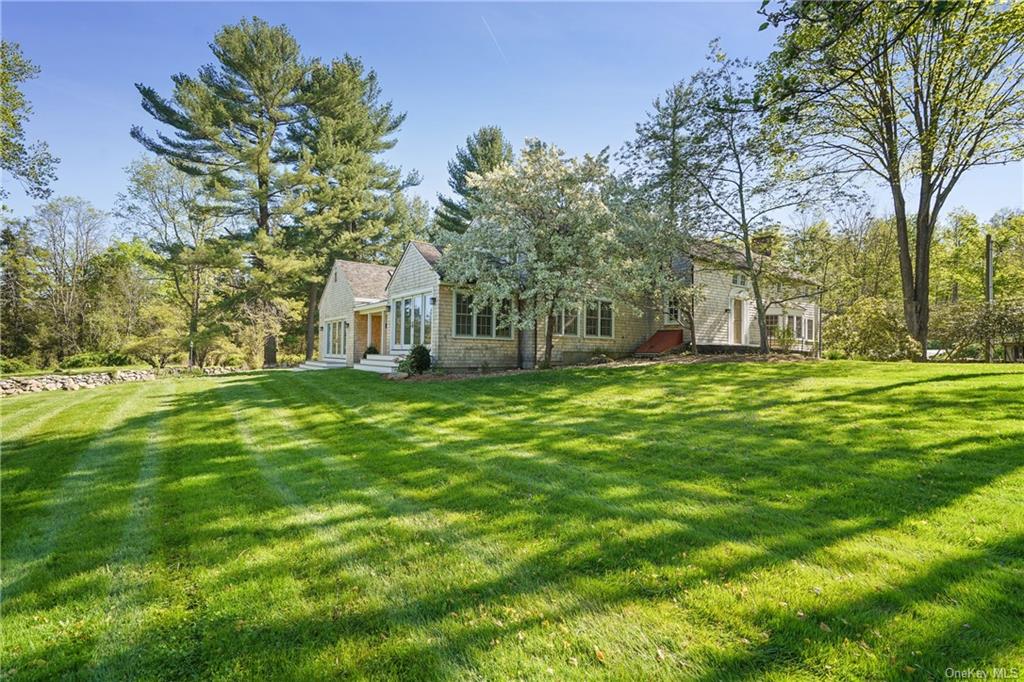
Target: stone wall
column 75, row 382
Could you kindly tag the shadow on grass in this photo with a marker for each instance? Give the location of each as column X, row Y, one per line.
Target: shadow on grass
column 614, row 473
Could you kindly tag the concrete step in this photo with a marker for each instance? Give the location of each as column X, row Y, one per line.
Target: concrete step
column 378, row 368
column 381, row 356
column 326, row 363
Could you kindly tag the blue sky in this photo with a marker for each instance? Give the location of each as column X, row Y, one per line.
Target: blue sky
column 579, row 75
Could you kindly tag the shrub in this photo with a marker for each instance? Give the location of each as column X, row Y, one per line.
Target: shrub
column 419, row 359
column 97, row 359
column 785, row 339
column 370, row 350
column 14, row 366
column 873, row 329
column 405, row 365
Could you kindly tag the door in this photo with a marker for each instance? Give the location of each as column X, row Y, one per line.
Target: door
column 737, row 321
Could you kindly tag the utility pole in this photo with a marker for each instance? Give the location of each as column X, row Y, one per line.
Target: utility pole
column 988, row 292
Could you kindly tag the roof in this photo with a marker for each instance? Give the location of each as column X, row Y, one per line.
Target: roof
column 713, row 252
column 430, row 252
column 368, row 280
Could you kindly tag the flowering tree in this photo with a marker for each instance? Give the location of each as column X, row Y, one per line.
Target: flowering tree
column 541, row 236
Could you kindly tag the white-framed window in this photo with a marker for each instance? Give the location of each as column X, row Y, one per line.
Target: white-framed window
column 809, row 324
column 567, row 322
column 799, row 328
column 672, row 311
column 412, row 320
column 739, row 280
column 471, row 322
column 599, row 319
column 337, row 337
column 771, row 322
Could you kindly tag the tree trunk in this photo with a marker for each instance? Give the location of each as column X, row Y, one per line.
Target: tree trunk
column 270, row 351
column 549, row 338
column 762, row 321
column 311, row 320
column 692, row 323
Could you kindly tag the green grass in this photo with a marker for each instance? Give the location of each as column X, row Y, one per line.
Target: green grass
column 722, row 521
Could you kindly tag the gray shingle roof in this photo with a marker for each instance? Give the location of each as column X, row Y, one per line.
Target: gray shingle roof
column 368, row 280
column 430, row 252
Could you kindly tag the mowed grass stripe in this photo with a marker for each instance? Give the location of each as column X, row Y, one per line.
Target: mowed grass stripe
column 24, row 415
column 86, row 452
column 134, row 585
column 351, row 506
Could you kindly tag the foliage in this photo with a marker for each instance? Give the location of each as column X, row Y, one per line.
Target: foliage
column 876, row 491
column 419, row 359
column 740, row 166
column 31, row 164
column 911, row 97
column 404, row 365
column 784, row 339
column 21, row 284
column 961, row 328
column 14, row 366
column 542, row 237
column 486, row 150
column 370, row 350
column 871, row 328
column 97, row 359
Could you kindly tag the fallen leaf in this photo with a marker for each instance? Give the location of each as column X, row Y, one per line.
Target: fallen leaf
column 599, row 654
column 661, row 655
column 824, row 627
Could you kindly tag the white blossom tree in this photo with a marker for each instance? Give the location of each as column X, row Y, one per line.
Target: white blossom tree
column 542, row 237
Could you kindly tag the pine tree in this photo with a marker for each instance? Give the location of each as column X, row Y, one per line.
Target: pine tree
column 230, row 126
column 20, row 284
column 485, row 150
column 355, row 208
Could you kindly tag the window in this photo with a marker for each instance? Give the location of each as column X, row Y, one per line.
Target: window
column 336, row 337
column 672, row 311
column 810, row 329
column 481, row 322
column 567, row 322
column 791, row 323
column 407, row 321
column 739, row 280
column 799, row 327
column 598, row 320
column 771, row 322
column 413, row 320
column 503, row 325
column 463, row 315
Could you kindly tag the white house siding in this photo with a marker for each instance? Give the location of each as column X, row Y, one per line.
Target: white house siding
column 336, row 303
column 714, row 313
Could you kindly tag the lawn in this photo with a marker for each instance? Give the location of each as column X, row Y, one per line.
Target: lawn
column 809, row 520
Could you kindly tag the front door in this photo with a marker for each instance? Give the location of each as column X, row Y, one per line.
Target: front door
column 737, row 321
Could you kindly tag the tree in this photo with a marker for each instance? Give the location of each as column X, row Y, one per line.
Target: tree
column 959, row 259
column 71, row 234
column 120, row 285
column 870, row 329
column 541, row 236
column 651, row 261
column 230, row 126
column 741, row 166
column 31, row 164
column 1007, row 230
column 915, row 94
column 173, row 212
column 654, row 159
column 355, row 207
column 20, row 287
column 485, row 150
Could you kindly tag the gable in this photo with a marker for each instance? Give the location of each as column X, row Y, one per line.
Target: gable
column 414, row 271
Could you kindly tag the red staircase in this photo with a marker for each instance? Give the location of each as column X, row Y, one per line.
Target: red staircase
column 662, row 341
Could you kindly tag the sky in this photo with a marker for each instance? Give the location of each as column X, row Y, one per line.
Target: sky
column 579, row 75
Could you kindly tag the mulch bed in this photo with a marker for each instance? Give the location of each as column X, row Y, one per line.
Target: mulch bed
column 676, row 359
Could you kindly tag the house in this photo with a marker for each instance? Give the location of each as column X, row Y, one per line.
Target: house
column 391, row 310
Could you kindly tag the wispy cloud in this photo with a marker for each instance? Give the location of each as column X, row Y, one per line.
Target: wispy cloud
column 493, row 38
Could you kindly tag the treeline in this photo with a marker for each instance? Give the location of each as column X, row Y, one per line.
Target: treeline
column 266, row 166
